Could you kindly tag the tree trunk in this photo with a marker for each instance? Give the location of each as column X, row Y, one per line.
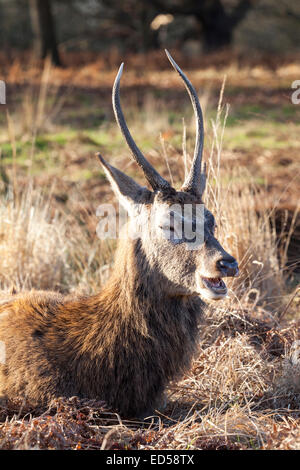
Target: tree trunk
column 216, row 35
column 149, row 37
column 217, row 24
column 44, row 31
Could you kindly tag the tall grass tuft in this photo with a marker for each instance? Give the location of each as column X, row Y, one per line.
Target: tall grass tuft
column 245, row 226
column 33, row 250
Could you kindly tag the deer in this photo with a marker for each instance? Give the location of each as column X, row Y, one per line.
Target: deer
column 125, row 344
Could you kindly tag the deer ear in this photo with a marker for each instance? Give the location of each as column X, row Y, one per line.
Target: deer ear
column 125, row 188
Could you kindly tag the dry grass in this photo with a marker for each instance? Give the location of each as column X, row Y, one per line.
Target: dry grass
column 32, row 250
column 43, row 248
column 243, row 390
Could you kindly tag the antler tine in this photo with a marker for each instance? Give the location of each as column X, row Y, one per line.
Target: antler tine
column 154, row 178
column 195, row 181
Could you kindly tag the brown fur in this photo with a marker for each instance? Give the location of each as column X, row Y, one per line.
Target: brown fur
column 122, row 345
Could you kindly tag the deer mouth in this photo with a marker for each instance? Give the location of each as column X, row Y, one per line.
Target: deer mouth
column 212, row 288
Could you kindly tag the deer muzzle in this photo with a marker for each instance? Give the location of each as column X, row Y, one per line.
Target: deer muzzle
column 228, row 268
column 214, row 288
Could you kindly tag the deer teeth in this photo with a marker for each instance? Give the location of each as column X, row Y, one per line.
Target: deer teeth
column 214, row 282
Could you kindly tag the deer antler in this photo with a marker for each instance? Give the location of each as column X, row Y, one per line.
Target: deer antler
column 196, row 179
column 154, row 178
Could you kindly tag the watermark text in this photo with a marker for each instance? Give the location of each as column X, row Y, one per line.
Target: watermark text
column 2, row 92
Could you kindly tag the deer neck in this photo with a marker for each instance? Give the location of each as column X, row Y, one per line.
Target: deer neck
column 140, row 290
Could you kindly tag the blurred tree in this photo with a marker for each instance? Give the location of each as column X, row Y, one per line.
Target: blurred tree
column 133, row 26
column 44, row 30
column 217, row 19
column 131, row 20
column 108, row 23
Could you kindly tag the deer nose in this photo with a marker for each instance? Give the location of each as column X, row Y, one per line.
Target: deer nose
column 229, row 267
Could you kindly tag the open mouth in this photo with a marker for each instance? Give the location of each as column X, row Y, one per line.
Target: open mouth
column 213, row 288
column 214, row 283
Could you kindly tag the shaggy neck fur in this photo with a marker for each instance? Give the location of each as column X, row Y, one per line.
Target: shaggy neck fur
column 122, row 346
column 134, row 313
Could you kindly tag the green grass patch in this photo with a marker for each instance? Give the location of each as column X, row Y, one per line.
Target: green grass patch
column 270, row 135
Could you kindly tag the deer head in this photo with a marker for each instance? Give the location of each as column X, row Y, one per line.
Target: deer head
column 179, row 242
